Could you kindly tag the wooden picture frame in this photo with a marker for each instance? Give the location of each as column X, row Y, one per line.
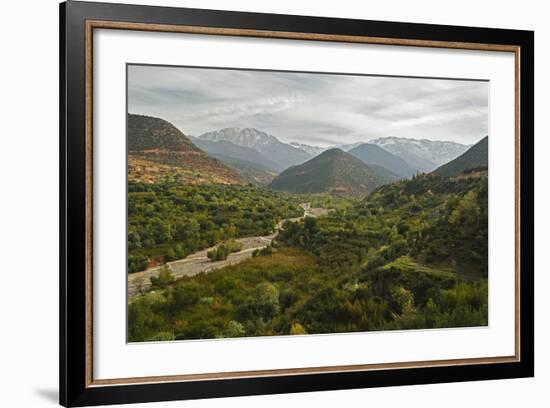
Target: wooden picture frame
column 78, row 20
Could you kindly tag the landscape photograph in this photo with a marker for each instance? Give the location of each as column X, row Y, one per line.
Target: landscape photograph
column 277, row 203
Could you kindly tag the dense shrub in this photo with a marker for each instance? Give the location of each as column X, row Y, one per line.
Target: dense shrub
column 168, row 221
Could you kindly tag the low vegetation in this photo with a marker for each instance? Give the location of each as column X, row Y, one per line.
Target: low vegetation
column 168, row 221
column 221, row 252
column 411, row 255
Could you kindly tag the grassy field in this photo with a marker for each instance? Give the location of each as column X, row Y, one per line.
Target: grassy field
column 408, row 265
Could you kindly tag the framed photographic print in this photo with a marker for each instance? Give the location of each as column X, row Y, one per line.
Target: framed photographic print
column 256, row 203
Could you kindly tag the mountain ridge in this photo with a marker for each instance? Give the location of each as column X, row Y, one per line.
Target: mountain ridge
column 230, row 149
column 372, row 154
column 309, row 149
column 475, row 156
column 281, row 153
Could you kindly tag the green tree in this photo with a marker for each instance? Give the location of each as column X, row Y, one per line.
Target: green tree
column 267, row 300
column 164, row 277
column 220, row 253
column 234, row 329
column 404, row 300
column 297, row 328
column 467, row 212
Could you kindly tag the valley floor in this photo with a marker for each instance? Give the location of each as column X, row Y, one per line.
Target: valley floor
column 198, row 262
column 253, row 262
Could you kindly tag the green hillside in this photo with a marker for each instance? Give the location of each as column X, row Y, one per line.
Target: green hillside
column 372, row 154
column 333, row 171
column 475, row 156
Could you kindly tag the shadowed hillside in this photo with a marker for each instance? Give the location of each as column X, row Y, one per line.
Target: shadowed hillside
column 283, row 154
column 373, row 154
column 249, row 163
column 475, row 156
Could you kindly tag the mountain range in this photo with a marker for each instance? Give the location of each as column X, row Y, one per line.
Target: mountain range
column 249, row 163
column 311, row 150
column 372, row 154
column 348, row 147
column 333, row 171
column 283, row 154
column 157, row 149
column 422, row 155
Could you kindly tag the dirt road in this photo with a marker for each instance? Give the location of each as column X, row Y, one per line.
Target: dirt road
column 199, row 262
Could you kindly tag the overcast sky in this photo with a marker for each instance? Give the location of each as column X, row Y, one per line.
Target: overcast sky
column 317, row 109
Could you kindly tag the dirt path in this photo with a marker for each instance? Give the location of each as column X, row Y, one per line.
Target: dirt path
column 199, row 262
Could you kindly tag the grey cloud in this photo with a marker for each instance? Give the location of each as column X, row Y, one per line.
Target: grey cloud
column 322, row 109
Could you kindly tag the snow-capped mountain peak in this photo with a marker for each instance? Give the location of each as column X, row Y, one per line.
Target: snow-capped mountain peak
column 247, row 137
column 282, row 153
column 432, row 152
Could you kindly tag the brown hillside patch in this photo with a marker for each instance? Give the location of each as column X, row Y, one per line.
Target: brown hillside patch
column 185, row 167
